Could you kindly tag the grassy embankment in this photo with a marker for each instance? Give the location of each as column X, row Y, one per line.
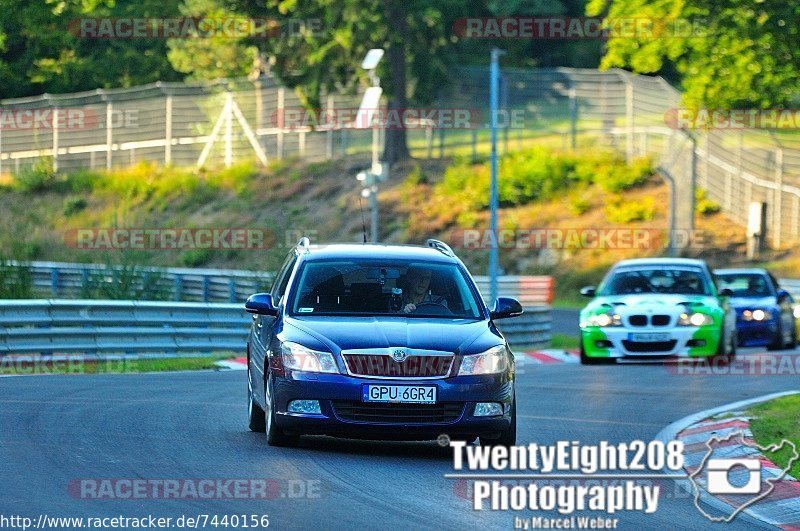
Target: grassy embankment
column 542, row 186
column 774, row 421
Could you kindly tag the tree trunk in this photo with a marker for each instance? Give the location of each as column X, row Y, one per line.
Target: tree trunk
column 396, row 147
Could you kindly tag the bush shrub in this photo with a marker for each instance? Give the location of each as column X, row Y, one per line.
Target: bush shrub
column 196, row 257
column 73, row 205
column 36, row 178
column 703, row 205
column 627, row 212
column 16, row 281
column 538, row 174
column 580, row 206
column 126, row 282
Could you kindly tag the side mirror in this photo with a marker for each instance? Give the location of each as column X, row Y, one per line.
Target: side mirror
column 506, row 307
column 783, row 295
column 726, row 292
column 588, row 291
column 260, row 303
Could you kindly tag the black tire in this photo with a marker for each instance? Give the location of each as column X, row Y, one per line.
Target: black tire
column 509, row 436
column 777, row 343
column 255, row 413
column 726, row 348
column 275, row 435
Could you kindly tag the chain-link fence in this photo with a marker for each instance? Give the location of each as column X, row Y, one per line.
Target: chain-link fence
column 212, row 123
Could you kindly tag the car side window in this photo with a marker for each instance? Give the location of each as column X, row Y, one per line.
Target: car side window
column 279, row 288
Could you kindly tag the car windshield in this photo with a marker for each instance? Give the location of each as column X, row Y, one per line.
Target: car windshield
column 682, row 281
column 745, row 284
column 380, row 287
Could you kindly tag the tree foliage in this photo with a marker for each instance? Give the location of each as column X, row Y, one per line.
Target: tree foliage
column 738, row 52
column 40, row 51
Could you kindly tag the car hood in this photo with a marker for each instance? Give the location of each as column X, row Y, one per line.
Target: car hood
column 651, row 301
column 752, row 302
column 345, row 333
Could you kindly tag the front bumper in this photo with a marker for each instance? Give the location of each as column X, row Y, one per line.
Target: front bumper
column 684, row 341
column 756, row 333
column 460, row 394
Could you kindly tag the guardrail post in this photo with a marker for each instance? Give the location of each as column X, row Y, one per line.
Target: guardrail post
column 178, row 291
column 205, row 289
column 54, row 282
column 232, row 289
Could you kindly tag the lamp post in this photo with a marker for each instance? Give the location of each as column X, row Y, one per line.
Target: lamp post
column 494, row 77
column 369, row 106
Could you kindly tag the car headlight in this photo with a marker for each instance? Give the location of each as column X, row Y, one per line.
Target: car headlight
column 604, row 319
column 300, row 358
column 493, row 361
column 756, row 315
column 695, row 319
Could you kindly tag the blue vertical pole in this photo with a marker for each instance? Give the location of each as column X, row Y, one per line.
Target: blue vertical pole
column 54, row 283
column 494, row 77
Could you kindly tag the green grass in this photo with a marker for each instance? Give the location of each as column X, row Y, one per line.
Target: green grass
column 564, row 341
column 38, row 365
column 776, row 420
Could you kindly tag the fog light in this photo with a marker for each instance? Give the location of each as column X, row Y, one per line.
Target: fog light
column 603, row 343
column 488, row 409
column 696, row 343
column 305, row 406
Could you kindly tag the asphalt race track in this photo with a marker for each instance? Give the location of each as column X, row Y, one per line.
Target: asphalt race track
column 60, row 429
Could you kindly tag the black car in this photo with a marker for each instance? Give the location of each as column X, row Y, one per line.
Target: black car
column 380, row 342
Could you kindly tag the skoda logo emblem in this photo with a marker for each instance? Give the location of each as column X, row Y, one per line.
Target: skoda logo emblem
column 399, row 355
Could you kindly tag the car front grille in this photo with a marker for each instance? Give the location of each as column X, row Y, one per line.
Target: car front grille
column 642, row 320
column 659, row 320
column 412, row 367
column 638, row 320
column 648, row 346
column 442, row 413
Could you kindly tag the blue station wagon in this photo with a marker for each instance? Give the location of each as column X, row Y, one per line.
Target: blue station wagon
column 379, row 341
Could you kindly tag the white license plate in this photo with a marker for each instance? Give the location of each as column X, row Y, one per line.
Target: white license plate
column 651, row 337
column 403, row 394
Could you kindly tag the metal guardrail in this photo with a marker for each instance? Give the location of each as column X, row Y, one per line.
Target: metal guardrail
column 60, row 280
column 66, row 326
column 67, row 280
column 91, row 326
column 531, row 329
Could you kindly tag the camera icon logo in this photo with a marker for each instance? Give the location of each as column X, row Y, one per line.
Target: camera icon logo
column 724, row 476
column 730, row 477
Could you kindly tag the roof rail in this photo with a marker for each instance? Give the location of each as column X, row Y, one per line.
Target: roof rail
column 302, row 246
column 441, row 247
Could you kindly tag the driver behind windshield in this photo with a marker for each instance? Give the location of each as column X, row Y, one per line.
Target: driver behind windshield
column 416, row 290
